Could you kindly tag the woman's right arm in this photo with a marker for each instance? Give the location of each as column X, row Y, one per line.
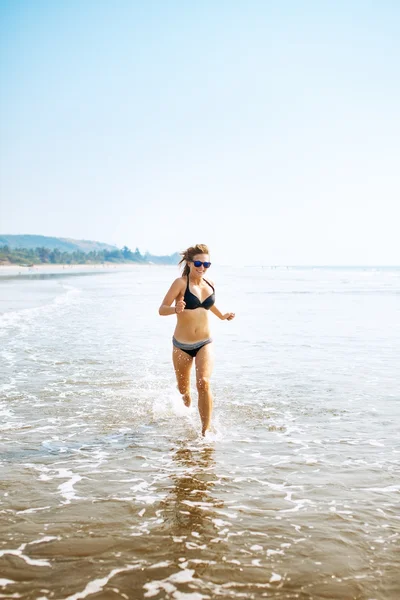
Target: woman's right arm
column 175, row 291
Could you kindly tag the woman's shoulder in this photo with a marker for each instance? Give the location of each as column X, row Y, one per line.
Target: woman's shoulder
column 179, row 282
column 210, row 281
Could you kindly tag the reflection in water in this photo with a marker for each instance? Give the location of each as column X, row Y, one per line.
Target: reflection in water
column 189, row 508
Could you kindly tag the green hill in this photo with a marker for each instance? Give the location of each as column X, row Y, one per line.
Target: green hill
column 52, row 243
column 40, row 249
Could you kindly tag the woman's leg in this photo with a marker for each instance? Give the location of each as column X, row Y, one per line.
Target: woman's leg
column 204, row 367
column 182, row 364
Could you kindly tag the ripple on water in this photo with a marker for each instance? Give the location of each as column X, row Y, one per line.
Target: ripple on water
column 293, row 494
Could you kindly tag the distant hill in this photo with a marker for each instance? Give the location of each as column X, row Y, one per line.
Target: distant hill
column 171, row 259
column 43, row 241
column 39, row 249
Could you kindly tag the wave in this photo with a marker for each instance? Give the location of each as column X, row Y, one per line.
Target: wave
column 22, row 318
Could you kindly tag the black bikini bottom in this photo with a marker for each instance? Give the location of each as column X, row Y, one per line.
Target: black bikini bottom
column 191, row 349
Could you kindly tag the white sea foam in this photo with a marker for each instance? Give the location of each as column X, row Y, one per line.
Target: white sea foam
column 30, row 561
column 385, row 490
column 67, row 489
column 167, row 584
column 160, row 565
column 44, row 539
column 97, row 584
column 23, row 318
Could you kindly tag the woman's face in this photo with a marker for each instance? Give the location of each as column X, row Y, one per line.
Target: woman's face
column 198, row 271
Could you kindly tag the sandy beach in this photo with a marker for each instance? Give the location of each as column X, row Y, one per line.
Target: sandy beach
column 10, row 270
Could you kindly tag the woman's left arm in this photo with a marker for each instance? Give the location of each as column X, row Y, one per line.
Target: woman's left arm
column 227, row 316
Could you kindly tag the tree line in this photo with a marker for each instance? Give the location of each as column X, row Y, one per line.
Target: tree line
column 41, row 255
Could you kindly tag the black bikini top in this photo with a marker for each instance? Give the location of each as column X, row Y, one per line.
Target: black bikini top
column 193, row 301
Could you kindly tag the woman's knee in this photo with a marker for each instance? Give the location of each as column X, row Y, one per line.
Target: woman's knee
column 203, row 383
column 183, row 384
column 183, row 388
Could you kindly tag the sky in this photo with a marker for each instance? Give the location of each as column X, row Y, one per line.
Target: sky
column 269, row 130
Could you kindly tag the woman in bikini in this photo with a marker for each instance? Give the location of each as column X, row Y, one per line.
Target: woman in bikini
column 194, row 296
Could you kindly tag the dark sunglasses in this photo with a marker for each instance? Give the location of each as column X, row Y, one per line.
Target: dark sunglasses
column 198, row 263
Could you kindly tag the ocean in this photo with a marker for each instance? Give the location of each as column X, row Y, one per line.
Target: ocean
column 109, row 491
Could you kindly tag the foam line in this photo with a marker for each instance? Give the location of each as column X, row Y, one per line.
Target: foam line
column 97, row 584
column 29, row 561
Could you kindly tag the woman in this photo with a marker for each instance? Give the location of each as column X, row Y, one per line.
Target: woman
column 194, row 296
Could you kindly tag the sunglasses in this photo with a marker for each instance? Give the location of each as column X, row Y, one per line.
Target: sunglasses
column 198, row 263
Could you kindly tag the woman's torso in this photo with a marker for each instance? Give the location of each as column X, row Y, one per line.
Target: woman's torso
column 193, row 323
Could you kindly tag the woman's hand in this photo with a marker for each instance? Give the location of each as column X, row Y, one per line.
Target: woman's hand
column 228, row 316
column 180, row 305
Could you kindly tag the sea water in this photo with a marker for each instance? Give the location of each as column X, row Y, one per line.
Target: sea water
column 108, row 490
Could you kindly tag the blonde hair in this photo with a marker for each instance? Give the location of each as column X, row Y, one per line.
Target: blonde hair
column 189, row 254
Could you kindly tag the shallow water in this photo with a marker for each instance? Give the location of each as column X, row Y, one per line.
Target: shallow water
column 108, row 491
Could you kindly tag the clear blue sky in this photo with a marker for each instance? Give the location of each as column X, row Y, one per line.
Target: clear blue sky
column 268, row 129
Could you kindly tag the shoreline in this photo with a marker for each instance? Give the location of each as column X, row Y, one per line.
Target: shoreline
column 7, row 270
